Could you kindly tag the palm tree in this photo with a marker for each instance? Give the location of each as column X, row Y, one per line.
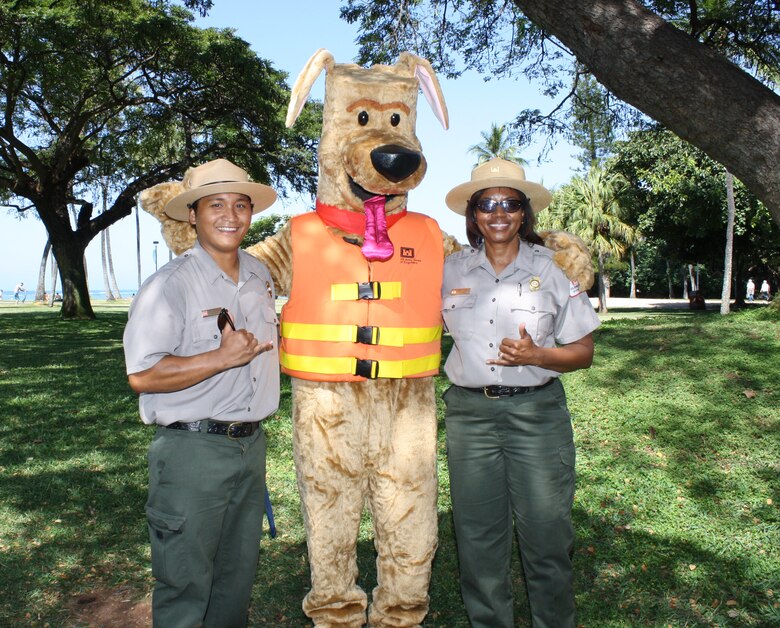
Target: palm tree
column 725, row 295
column 590, row 208
column 496, row 143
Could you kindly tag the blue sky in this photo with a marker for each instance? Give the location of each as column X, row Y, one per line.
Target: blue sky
column 276, row 31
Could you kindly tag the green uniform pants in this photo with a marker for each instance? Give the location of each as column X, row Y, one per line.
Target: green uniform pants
column 205, row 514
column 512, row 458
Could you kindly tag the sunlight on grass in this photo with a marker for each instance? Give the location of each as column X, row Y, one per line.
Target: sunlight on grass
column 678, row 433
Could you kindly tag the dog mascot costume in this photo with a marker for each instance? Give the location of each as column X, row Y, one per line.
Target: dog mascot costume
column 360, row 337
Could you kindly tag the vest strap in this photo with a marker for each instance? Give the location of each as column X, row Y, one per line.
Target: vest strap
column 370, row 369
column 367, row 290
column 383, row 336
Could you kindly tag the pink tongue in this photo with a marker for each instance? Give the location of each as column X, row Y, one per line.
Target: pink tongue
column 376, row 243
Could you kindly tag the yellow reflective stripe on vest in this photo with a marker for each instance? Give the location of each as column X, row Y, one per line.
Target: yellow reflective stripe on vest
column 383, row 336
column 382, row 290
column 394, row 369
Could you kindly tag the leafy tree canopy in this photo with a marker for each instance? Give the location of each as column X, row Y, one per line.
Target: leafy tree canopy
column 130, row 90
column 677, row 199
column 497, row 39
column 688, row 65
column 263, row 227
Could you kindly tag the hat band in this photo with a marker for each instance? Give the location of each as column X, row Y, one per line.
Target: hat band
column 217, row 183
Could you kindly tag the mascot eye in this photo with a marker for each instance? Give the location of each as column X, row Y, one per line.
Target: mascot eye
column 395, row 119
column 363, row 118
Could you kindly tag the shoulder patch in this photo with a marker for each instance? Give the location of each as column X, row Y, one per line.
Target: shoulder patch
column 574, row 288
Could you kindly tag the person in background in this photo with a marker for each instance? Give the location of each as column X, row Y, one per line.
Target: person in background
column 764, row 291
column 517, row 323
column 750, row 292
column 200, row 348
column 20, row 294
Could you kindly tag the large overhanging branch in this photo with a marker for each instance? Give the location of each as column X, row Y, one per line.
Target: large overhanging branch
column 692, row 90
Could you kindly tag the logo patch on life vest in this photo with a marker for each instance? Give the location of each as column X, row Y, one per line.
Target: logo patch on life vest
column 406, row 255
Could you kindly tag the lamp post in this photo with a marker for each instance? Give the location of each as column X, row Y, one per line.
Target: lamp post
column 154, row 253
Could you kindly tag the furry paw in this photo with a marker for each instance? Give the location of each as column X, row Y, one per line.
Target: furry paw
column 178, row 235
column 571, row 255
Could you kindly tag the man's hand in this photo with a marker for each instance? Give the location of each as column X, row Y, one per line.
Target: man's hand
column 240, row 347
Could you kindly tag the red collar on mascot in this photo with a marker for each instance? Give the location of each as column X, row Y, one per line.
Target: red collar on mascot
column 350, row 221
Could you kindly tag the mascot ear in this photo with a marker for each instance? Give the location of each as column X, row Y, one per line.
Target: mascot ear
column 300, row 91
column 423, row 71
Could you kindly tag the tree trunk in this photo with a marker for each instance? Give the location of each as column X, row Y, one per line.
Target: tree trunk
column 106, row 284
column 725, row 295
column 602, row 286
column 40, row 289
column 676, row 80
column 694, row 280
column 633, row 275
column 138, row 241
column 75, row 290
column 111, row 275
column 54, row 274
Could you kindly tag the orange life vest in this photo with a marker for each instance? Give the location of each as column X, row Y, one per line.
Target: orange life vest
column 348, row 319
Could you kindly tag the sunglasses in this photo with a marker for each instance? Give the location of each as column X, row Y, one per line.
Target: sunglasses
column 223, row 318
column 509, row 205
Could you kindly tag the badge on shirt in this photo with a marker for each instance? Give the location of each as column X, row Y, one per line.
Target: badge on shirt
column 455, row 292
column 535, row 284
column 268, row 289
column 212, row 312
column 574, row 288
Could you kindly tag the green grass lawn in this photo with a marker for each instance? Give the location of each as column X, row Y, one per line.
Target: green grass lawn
column 678, row 433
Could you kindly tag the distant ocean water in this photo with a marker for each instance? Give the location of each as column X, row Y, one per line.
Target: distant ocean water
column 100, row 295
column 94, row 295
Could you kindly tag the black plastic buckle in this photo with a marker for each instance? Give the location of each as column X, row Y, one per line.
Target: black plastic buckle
column 365, row 335
column 369, row 290
column 367, row 368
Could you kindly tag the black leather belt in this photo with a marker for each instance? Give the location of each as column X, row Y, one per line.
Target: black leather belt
column 494, row 392
column 231, row 430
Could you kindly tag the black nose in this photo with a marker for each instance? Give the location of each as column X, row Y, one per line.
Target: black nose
column 395, row 163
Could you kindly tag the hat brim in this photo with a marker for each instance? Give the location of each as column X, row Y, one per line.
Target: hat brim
column 458, row 197
column 261, row 196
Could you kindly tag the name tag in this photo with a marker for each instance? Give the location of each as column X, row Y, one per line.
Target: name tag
column 212, row 312
column 460, row 291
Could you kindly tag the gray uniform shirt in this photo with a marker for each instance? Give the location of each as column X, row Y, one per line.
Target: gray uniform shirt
column 174, row 313
column 480, row 308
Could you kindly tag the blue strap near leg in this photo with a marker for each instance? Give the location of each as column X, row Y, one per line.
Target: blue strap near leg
column 269, row 513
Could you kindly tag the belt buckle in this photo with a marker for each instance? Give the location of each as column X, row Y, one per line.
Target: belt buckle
column 231, row 426
column 487, row 394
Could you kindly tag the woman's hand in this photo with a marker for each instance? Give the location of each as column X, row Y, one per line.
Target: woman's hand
column 523, row 351
column 520, row 351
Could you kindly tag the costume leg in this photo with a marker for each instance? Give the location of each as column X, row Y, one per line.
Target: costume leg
column 402, row 497
column 476, row 431
column 328, row 436
column 235, row 565
column 540, row 458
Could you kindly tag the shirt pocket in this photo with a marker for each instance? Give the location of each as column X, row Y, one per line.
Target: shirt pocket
column 205, row 334
column 269, row 323
column 537, row 311
column 458, row 314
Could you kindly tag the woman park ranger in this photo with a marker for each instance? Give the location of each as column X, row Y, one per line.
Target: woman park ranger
column 517, row 323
